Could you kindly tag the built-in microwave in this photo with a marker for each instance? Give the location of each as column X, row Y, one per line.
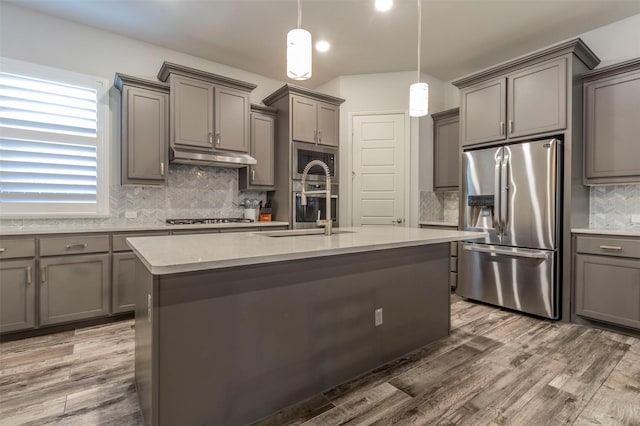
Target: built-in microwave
column 303, row 153
column 306, row 216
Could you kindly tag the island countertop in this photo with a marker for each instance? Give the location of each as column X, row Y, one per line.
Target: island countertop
column 187, row 253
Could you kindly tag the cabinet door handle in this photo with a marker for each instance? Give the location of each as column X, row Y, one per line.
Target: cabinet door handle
column 162, row 168
column 43, row 275
column 210, row 138
column 217, row 138
column 502, row 128
column 320, row 136
column 2, row 249
column 617, row 248
column 315, row 136
column 253, row 175
column 76, row 246
column 510, row 126
column 29, row 277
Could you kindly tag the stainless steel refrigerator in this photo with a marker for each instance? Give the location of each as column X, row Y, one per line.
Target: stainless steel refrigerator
column 513, row 193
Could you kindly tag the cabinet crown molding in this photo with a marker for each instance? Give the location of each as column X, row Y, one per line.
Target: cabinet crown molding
column 263, row 109
column 575, row 46
column 171, row 68
column 121, row 79
column 288, row 89
column 446, row 113
column 611, row 70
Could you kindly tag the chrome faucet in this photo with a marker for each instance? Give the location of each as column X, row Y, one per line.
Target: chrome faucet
column 327, row 191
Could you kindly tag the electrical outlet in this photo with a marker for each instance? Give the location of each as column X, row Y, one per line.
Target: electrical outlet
column 130, row 214
column 378, row 315
column 635, row 218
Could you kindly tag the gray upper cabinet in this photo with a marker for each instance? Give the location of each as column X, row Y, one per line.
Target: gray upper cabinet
column 207, row 111
column 607, row 280
column 261, row 177
column 145, row 130
column 537, row 99
column 612, row 124
column 446, row 150
column 192, row 112
column 484, row 114
column 314, row 121
column 528, row 101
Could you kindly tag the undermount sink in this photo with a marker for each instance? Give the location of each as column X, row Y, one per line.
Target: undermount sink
column 301, row 232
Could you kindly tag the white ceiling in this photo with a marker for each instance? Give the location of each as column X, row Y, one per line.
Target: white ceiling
column 458, row 36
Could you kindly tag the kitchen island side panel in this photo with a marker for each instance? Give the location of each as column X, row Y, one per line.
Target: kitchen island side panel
column 237, row 344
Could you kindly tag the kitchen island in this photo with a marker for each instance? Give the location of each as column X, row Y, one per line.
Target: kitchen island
column 232, row 327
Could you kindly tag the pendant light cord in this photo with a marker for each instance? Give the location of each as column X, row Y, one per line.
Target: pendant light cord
column 299, row 15
column 419, row 34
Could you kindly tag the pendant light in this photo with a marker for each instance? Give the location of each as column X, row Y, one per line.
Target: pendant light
column 419, row 92
column 299, row 51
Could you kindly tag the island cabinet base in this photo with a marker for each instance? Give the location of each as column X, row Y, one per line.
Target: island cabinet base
column 230, row 346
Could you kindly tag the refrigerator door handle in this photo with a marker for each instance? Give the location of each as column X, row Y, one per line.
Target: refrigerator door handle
column 533, row 254
column 496, row 202
column 504, row 194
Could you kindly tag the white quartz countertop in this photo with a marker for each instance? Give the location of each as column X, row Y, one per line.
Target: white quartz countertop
column 607, row 231
column 186, row 253
column 86, row 229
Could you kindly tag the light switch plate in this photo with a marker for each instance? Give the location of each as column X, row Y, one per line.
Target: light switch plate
column 635, row 218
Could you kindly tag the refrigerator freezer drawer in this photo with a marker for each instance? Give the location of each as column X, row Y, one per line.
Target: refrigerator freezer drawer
column 516, row 278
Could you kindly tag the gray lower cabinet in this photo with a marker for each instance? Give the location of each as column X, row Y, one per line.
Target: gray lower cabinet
column 526, row 101
column 607, row 280
column 612, row 124
column 145, row 130
column 74, row 288
column 17, row 295
column 123, row 282
column 446, row 150
column 261, row 177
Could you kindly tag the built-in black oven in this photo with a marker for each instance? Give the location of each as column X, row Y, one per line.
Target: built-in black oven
column 306, row 216
column 303, row 153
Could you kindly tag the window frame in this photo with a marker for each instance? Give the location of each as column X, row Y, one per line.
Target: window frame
column 44, row 210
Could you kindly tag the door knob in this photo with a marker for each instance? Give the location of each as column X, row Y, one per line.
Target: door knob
column 398, row 220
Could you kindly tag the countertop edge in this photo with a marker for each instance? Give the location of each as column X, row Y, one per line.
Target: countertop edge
column 143, row 228
column 605, row 231
column 283, row 257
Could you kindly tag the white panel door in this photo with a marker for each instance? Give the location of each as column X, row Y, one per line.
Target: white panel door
column 379, row 169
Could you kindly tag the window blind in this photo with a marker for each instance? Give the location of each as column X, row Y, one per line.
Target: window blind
column 49, row 146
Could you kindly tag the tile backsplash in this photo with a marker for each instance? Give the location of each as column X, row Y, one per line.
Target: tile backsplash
column 191, row 192
column 612, row 206
column 436, row 206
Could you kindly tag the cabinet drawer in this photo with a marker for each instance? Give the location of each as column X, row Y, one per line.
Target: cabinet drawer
column 194, row 231
column 55, row 246
column 453, row 279
column 609, row 246
column 453, row 264
column 120, row 240
column 18, row 247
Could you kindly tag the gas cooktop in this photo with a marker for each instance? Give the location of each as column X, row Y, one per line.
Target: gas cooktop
column 208, row 221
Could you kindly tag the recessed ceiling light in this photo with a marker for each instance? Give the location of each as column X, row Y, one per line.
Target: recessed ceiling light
column 322, row 46
column 383, row 5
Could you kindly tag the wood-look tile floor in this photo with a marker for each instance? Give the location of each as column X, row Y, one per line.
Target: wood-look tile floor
column 496, row 368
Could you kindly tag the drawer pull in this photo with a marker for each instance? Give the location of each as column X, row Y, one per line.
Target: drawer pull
column 617, row 248
column 2, row 249
column 76, row 246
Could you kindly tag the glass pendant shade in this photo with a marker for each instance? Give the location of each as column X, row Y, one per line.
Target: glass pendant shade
column 418, row 99
column 299, row 54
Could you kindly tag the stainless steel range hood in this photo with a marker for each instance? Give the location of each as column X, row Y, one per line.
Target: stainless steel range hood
column 234, row 160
